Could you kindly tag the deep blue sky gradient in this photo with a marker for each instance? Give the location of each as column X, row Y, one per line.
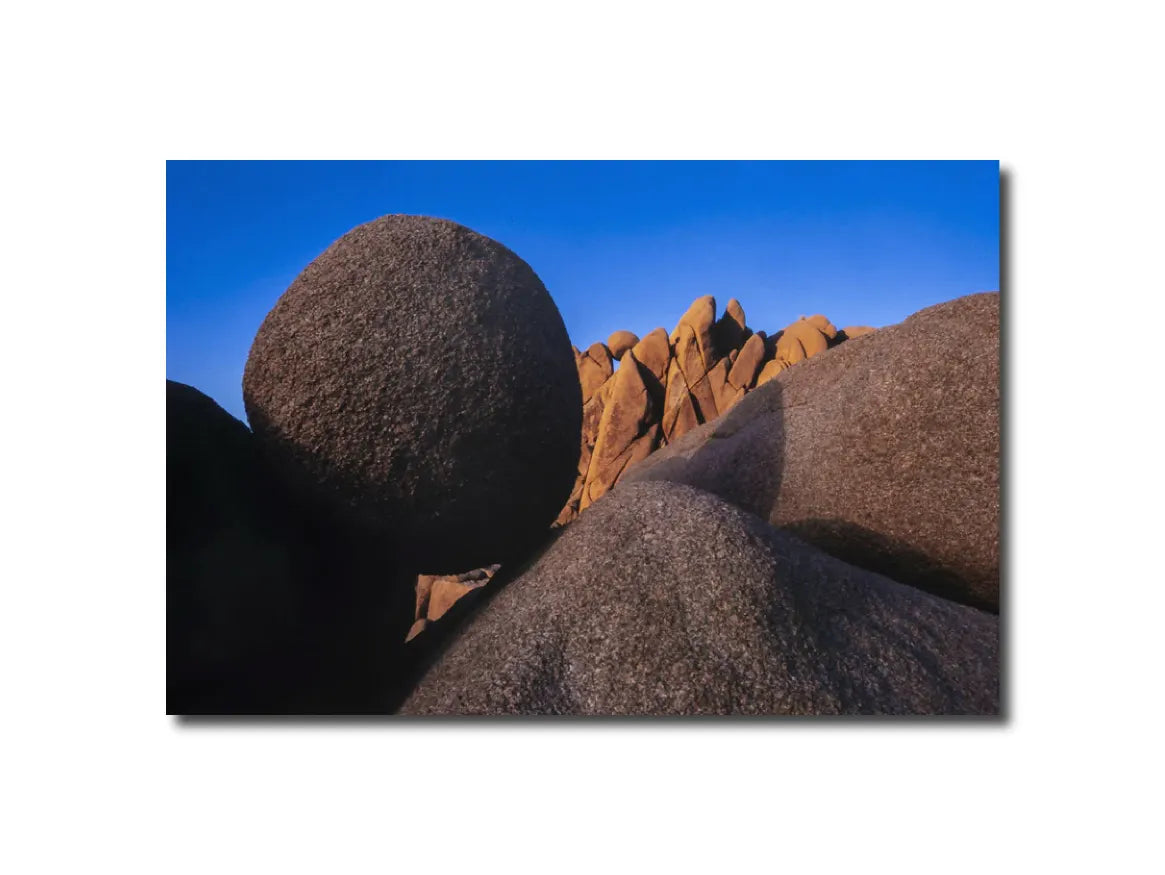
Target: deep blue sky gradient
column 618, row 244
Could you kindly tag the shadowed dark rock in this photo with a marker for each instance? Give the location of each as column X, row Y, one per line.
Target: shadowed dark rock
column 730, row 331
column 663, row 599
column 269, row 608
column 418, row 379
column 234, row 595
column 883, row 452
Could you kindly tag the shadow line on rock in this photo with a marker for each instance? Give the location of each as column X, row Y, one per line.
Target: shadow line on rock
column 874, row 551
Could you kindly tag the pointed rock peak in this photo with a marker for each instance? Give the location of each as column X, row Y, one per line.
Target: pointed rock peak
column 730, row 331
column 653, row 352
column 655, row 336
column 599, row 353
column 700, row 316
column 735, row 311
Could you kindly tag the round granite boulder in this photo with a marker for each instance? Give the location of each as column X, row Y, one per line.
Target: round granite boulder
column 664, row 600
column 418, row 378
column 883, row 453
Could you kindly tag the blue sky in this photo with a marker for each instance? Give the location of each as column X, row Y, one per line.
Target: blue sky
column 618, row 244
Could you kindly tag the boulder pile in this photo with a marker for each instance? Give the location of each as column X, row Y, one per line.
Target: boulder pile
column 884, row 453
column 413, row 407
column 668, row 384
column 800, row 523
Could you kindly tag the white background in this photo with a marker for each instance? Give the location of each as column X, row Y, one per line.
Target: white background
column 97, row 96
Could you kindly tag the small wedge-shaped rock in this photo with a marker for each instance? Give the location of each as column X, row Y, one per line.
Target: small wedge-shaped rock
column 748, row 363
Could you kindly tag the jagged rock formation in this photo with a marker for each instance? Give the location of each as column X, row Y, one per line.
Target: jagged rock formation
column 417, row 378
column 663, row 599
column 667, row 385
column 884, row 453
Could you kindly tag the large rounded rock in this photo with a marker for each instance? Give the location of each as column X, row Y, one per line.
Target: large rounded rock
column 665, row 600
column 884, row 453
column 418, row 378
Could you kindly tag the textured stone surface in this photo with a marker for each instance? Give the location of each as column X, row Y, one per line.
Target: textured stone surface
column 418, row 378
column 621, row 341
column 666, row 600
column 884, row 452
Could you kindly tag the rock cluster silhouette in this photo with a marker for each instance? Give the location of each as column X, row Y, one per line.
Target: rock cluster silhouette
column 798, row 523
column 667, row 385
